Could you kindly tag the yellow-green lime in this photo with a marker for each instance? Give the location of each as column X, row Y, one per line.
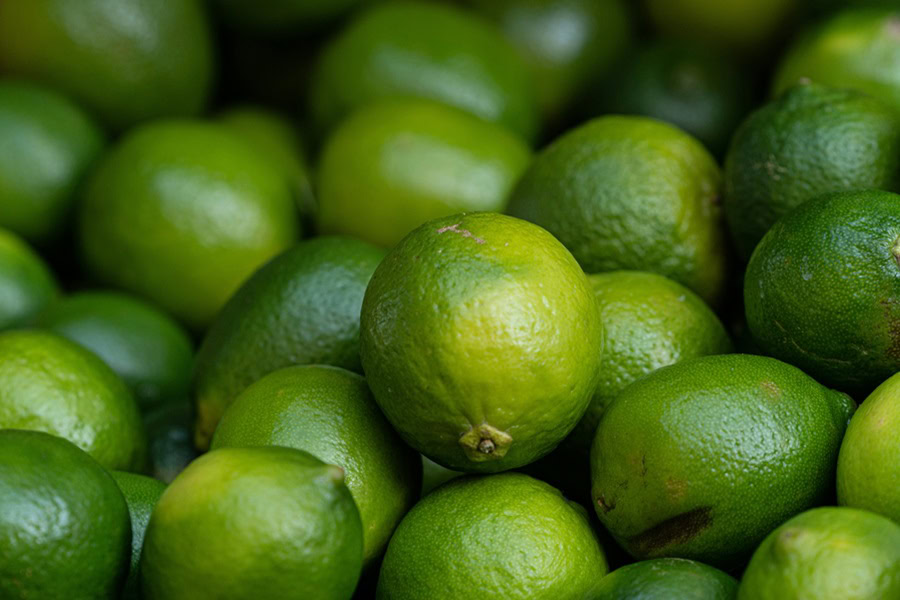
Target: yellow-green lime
column 50, row 384
column 703, row 458
column 281, row 18
column 301, row 308
column 481, row 340
column 48, row 143
column 412, row 161
column 493, row 536
column 27, row 286
column 827, row 552
column 330, row 413
column 181, row 212
column 64, row 529
column 631, row 193
column 667, row 579
column 141, row 495
column 253, row 523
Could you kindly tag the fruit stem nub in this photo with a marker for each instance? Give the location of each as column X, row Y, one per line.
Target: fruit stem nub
column 485, row 442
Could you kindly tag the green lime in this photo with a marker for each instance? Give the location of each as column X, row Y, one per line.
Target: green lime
column 857, row 48
column 497, row 536
column 412, row 161
column 170, row 439
column 667, row 579
column 480, row 338
column 827, row 552
column 253, row 523
column 301, row 308
column 426, row 50
column 50, row 384
column 277, row 18
column 64, row 530
column 812, row 140
column 26, row 284
column 141, row 494
column 703, row 458
column 631, row 193
column 146, row 348
column 567, row 44
column 868, row 472
column 433, row 475
column 47, row 145
column 181, row 212
column 822, row 290
column 329, row 412
column 125, row 61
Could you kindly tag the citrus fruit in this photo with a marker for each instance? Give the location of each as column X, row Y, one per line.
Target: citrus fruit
column 146, row 348
column 253, row 523
column 329, row 412
column 433, row 475
column 868, row 472
column 181, row 212
column 277, row 18
column 481, row 340
column 667, row 579
column 493, row 536
column 703, row 458
column 822, row 289
column 827, row 552
column 301, row 308
column 50, row 384
column 426, row 50
column 26, row 284
column 630, row 193
column 812, row 140
column 141, row 494
column 170, row 439
column 689, row 85
column 125, row 60
column 47, row 145
column 64, row 530
column 413, row 161
column 856, row 48
column 567, row 44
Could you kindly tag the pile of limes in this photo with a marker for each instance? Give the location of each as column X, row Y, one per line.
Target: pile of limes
column 449, row 299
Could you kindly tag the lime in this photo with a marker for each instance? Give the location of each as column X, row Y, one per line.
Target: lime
column 827, row 553
column 703, row 458
column 277, row 18
column 822, row 290
column 64, row 530
column 47, row 145
column 426, row 50
column 253, row 523
column 810, row 141
column 667, row 579
column 141, row 494
column 433, row 475
column 329, row 412
column 50, row 384
column 480, row 338
column 630, row 193
column 150, row 352
column 301, row 308
column 496, row 536
column 181, row 212
column 170, row 439
column 413, row 161
column 26, row 284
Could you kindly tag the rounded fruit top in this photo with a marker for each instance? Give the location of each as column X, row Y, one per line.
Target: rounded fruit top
column 667, row 579
column 27, row 286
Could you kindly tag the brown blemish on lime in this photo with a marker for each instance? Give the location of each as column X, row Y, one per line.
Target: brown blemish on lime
column 893, row 327
column 771, row 389
column 675, row 531
column 604, row 504
column 676, row 488
column 455, row 228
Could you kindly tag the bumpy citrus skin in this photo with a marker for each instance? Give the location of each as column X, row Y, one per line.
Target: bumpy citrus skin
column 47, row 145
column 812, row 140
column 425, row 50
column 630, row 193
column 50, row 384
column 27, row 285
column 667, row 579
column 480, row 338
column 822, row 289
column 330, row 413
column 393, row 165
column 253, row 523
column 868, row 472
column 125, row 62
column 827, row 552
column 301, row 308
column 141, row 495
column 703, row 458
column 495, row 536
column 64, row 529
